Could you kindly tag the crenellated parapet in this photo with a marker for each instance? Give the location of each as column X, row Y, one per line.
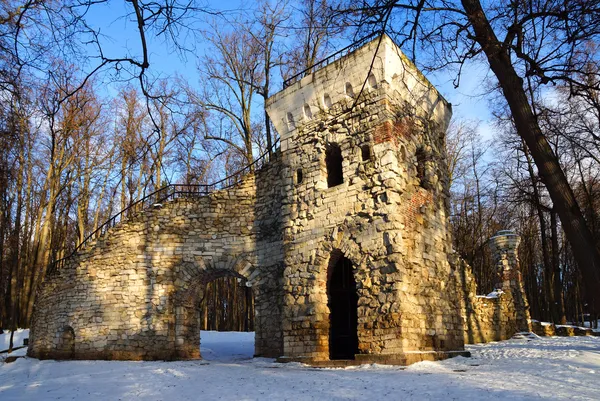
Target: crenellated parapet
column 378, row 64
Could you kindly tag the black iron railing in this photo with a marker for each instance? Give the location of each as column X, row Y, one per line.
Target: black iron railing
column 330, row 59
column 166, row 193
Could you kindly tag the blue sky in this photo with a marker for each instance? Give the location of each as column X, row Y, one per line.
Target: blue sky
column 121, row 38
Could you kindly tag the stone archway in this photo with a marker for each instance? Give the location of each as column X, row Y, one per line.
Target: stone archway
column 338, row 246
column 191, row 278
column 65, row 347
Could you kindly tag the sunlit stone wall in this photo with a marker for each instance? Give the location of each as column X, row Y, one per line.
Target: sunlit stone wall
column 388, row 216
column 134, row 293
column 503, row 312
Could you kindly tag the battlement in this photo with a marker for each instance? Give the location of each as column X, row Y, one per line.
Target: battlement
column 378, row 64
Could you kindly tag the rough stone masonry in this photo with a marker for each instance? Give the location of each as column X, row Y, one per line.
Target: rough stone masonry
column 343, row 237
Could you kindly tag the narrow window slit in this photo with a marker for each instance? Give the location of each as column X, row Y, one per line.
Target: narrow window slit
column 333, row 162
column 307, row 112
column 365, row 152
column 290, row 121
column 349, row 90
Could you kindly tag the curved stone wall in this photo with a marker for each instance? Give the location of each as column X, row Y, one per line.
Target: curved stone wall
column 133, row 293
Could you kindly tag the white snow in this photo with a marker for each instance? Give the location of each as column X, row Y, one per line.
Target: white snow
column 20, row 335
column 522, row 369
column 494, row 294
column 226, row 345
column 570, row 325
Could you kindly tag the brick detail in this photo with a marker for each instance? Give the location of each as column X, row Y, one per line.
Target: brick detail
column 393, row 132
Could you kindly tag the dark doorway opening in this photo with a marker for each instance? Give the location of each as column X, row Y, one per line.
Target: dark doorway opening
column 66, row 343
column 333, row 162
column 343, row 317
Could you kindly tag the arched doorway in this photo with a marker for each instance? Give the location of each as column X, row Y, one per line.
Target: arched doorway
column 343, row 304
column 226, row 319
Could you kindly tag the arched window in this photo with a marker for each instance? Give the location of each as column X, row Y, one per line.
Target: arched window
column 349, row 90
column 372, row 81
column 333, row 162
column 327, row 101
column 290, row 121
column 299, row 176
column 66, row 342
column 307, row 111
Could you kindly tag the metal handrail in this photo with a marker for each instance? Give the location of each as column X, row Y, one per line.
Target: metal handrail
column 331, row 58
column 168, row 192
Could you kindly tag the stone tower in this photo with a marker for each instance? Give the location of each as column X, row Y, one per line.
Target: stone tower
column 343, row 237
column 504, row 247
column 364, row 215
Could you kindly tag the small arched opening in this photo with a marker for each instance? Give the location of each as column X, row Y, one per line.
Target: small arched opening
column 372, row 81
column 327, row 103
column 342, row 300
column 349, row 90
column 333, row 163
column 299, row 176
column 307, row 112
column 289, row 119
column 66, row 343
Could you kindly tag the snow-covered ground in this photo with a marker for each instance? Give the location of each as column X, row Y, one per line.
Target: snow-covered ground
column 555, row 367
column 20, row 334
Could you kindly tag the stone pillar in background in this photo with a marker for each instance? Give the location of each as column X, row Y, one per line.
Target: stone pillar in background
column 504, row 246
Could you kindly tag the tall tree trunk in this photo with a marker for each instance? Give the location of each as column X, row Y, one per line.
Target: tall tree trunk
column 557, row 288
column 548, row 289
column 5, row 270
column 83, row 203
column 96, row 222
column 16, row 241
column 26, row 265
column 125, row 174
column 42, row 240
column 557, row 291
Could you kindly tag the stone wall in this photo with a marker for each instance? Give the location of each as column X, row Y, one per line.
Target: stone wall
column 388, row 217
column 504, row 312
column 134, row 293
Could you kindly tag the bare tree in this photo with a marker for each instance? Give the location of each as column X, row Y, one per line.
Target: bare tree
column 269, row 26
column 543, row 41
column 232, row 73
column 314, row 35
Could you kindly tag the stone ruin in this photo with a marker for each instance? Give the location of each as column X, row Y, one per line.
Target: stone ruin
column 343, row 237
